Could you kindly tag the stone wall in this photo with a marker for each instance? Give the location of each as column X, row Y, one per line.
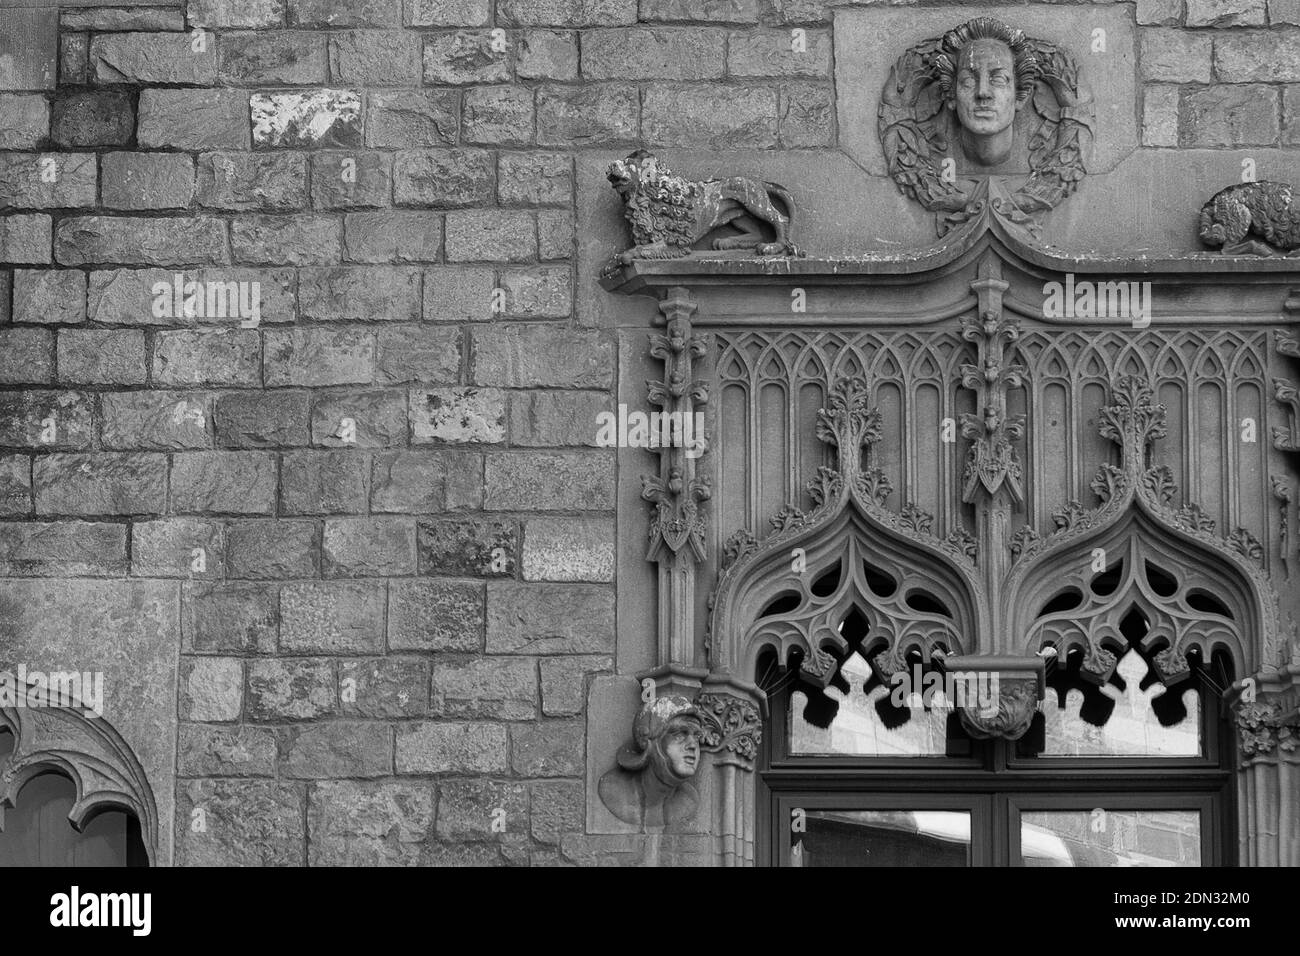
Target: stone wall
column 349, row 557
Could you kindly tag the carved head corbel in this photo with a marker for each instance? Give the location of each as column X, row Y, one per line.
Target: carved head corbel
column 651, row 784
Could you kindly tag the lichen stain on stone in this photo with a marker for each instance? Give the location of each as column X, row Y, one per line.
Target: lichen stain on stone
column 285, row 119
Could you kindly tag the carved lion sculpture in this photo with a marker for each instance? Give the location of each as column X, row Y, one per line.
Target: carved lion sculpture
column 1260, row 209
column 670, row 214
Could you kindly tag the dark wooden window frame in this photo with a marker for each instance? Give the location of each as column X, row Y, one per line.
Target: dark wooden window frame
column 997, row 785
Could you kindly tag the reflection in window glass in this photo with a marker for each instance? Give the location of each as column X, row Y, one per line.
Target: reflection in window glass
column 1133, row 729
column 884, row 838
column 857, row 729
column 1110, row 838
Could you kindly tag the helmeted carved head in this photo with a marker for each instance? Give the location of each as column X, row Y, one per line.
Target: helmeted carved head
column 987, row 72
column 666, row 738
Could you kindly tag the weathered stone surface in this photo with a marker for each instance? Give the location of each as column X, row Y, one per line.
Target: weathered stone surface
column 385, row 687
column 190, row 548
column 216, row 357
column 435, row 616
column 458, row 294
column 564, row 682
column 351, row 180
column 412, row 118
column 710, row 116
column 549, row 618
column 127, row 296
column 392, row 236
column 324, row 482
column 1160, row 12
column 24, row 120
column 491, row 235
column 235, row 13
column 369, row 824
column 773, row 53
column 481, row 810
column 549, row 481
column 426, row 481
column 1175, row 56
column 1226, row 13
column 207, row 751
column 463, row 57
column 1229, row 115
column 228, row 482
column 15, row 485
column 1159, row 115
column 547, row 55
column 555, row 234
column 94, row 357
column 248, row 823
column 92, row 118
column 25, row 239
column 649, row 53
column 498, row 116
column 556, row 809
column 807, row 115
column 47, row 180
column 263, row 419
column 720, row 11
column 571, row 117
column 240, row 181
column 29, row 356
column 315, row 118
column 147, row 180
column 523, row 356
column 568, row 13
column 60, row 548
column 502, row 688
column 468, row 547
column 552, row 748
column 1282, row 11
column 319, row 357
column 414, row 353
column 273, row 548
column 539, row 292
column 534, row 178
column 46, row 420
column 234, row 618
column 368, row 547
column 193, row 119
column 360, row 419
column 29, row 49
column 288, row 57
column 291, row 689
column 212, row 689
column 286, row 240
column 442, row 177
column 569, row 549
column 156, row 420
column 457, row 416
column 339, row 617
column 1290, row 116
column 376, row 58
column 1265, row 56
column 452, row 747
column 152, row 58
column 345, row 13
column 447, row 13
column 122, row 19
column 352, row 294
column 74, row 59
column 336, row 749
column 552, row 419
column 195, row 240
column 106, row 483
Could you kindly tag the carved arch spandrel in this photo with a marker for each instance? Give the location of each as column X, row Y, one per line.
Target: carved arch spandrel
column 107, row 775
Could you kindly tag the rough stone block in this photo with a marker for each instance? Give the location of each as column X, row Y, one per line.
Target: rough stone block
column 385, row 687
column 705, row 11
column 24, row 120
column 315, row 118
column 452, row 747
column 567, row 13
column 435, row 616
column 92, row 118
column 552, row 748
column 418, row 354
column 261, row 419
column 1159, row 115
column 15, row 485
column 573, row 117
column 468, row 547
column 196, row 240
column 319, row 357
column 336, row 749
column 556, row 808
column 351, row 294
column 1226, row 13
column 491, row 235
column 1175, row 56
column 369, row 824
column 217, row 357
column 234, row 618
column 1244, row 115
column 426, row 481
column 207, row 751
column 368, row 547
column 773, row 53
column 152, row 58
column 549, row 481
column 226, row 482
column 242, row 181
column 94, row 357
column 223, row 14
column 459, row 294
column 498, row 116
column 212, row 689
column 338, row 617
column 147, row 180
column 281, row 689
column 189, row 548
column 351, row 180
column 47, row 180
column 345, row 13
column 248, row 823
column 287, row 240
column 376, row 58
column 463, row 57
column 29, row 48
column 710, row 116
column 547, row 55
column 481, row 810
column 500, row 688
column 273, row 548
column 534, row 178
column 193, row 119
column 156, row 420
column 687, row 53
column 569, row 549
column 360, row 420
column 392, row 236
column 412, row 118
column 555, row 234
column 457, row 416
column 61, row 548
column 273, row 58
column 1263, row 56
column 524, row 356
column 549, row 618
column 25, row 240
column 28, row 356
column 105, row 483
column 553, row 419
column 324, row 482
column 807, row 115
column 442, row 177
column 447, row 13
column 46, row 420
column 564, row 684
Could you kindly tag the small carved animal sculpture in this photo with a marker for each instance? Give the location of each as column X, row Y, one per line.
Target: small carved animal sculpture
column 1260, row 209
column 669, row 214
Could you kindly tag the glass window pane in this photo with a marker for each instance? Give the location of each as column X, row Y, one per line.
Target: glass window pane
column 884, row 838
column 1133, row 728
column 1110, row 838
column 858, row 729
